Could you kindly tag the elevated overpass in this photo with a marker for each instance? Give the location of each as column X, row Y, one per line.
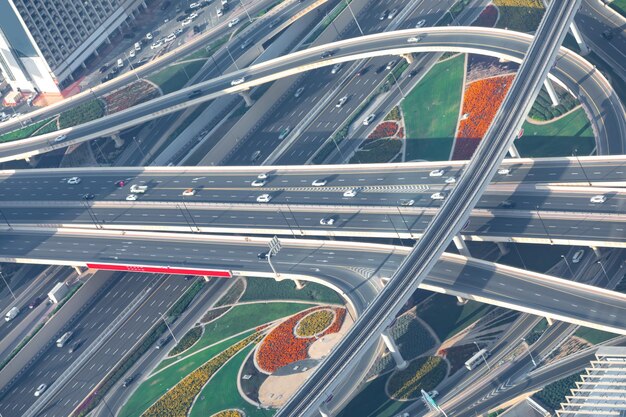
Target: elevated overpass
column 600, row 102
column 344, row 266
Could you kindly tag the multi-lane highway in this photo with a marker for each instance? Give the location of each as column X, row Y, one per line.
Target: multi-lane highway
column 596, row 95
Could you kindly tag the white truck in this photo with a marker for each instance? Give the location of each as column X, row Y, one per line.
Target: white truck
column 12, row 313
column 138, row 189
column 61, row 341
column 58, row 292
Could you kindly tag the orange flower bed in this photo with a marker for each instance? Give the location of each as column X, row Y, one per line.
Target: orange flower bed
column 281, row 347
column 481, row 102
column 384, row 130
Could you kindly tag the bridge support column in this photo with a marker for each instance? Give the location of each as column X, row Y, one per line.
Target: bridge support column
column 31, row 161
column 513, row 151
column 460, row 300
column 247, row 97
column 459, row 243
column 299, row 284
column 323, row 410
column 408, row 58
column 78, row 270
column 393, row 349
column 550, row 321
column 584, row 48
column 503, row 248
column 596, row 251
column 551, row 92
column 119, row 142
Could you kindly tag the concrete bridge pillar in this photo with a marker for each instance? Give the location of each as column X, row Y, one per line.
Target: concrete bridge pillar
column 119, row 142
column 503, row 248
column 596, row 251
column 32, row 161
column 299, row 284
column 78, row 270
column 408, row 58
column 247, row 97
column 584, row 48
column 550, row 321
column 460, row 300
column 393, row 349
column 551, row 92
column 513, row 151
column 459, row 243
column 324, row 411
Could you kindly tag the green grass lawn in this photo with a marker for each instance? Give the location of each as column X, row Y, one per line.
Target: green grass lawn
column 619, row 6
column 28, row 131
column 431, row 111
column 558, row 138
column 446, row 318
column 153, row 388
column 519, row 15
column 83, row 113
column 221, row 392
column 238, row 319
column 269, row 289
column 593, row 336
column 174, row 77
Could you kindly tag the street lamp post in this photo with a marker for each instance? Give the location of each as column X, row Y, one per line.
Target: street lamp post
column 7, row 284
column 575, row 155
column 168, row 327
column 482, row 356
column 568, row 265
column 231, row 57
column 396, row 230
column 397, row 83
column 139, row 147
column 604, row 271
column 245, row 9
column 529, row 352
column 6, row 220
column 544, row 225
column 354, row 17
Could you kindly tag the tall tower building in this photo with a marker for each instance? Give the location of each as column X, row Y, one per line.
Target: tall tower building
column 42, row 42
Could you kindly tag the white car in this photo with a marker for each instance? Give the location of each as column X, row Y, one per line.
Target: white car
column 193, row 15
column 186, row 22
column 436, row 173
column 224, row 2
column 40, row 389
column 335, row 69
column 369, row 119
column 407, row 203
column 156, row 45
column 414, row 39
column 189, row 192
column 327, row 221
column 283, row 134
column 74, row 180
column 392, row 14
column 220, row 12
column 350, row 193
column 263, row 198
column 438, row 196
column 170, row 37
column 390, row 64
column 319, row 182
column 132, row 197
column 450, row 180
column 60, row 138
column 578, row 255
column 149, row 36
column 420, row 23
column 194, row 5
column 238, row 81
column 504, row 171
column 298, row 92
column 263, row 176
column 233, row 22
column 598, row 199
column 258, row 183
column 132, row 53
column 341, row 102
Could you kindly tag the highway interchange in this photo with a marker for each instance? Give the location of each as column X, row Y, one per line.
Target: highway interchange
column 228, row 191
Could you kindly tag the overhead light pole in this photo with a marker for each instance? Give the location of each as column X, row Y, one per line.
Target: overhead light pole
column 7, row 284
column 354, row 17
column 568, row 265
column 168, row 327
column 544, row 225
column 604, row 271
column 482, row 356
column 575, row 155
column 529, row 352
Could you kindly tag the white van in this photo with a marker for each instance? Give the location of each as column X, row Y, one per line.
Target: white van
column 137, row 46
column 138, row 189
column 61, row 341
column 12, row 313
column 120, row 63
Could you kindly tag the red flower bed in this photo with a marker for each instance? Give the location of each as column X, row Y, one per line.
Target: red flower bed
column 481, row 102
column 281, row 347
column 384, row 130
column 400, row 133
column 131, row 95
column 487, row 17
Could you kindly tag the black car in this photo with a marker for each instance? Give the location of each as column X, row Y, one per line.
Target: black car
column 88, row 196
column 35, row 302
column 162, row 342
column 607, row 34
column 181, row 18
column 75, row 346
column 128, row 381
column 362, row 71
column 384, row 15
column 103, row 69
column 196, row 29
column 225, row 7
column 413, row 73
column 380, row 69
column 263, row 255
column 326, row 54
column 194, row 94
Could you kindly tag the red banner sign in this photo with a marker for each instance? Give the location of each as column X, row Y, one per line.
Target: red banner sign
column 161, row 270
